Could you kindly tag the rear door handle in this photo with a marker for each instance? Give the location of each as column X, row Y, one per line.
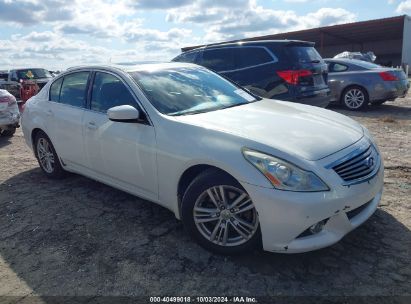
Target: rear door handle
column 91, row 125
column 49, row 113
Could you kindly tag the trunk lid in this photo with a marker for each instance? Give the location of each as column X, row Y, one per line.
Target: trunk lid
column 306, row 58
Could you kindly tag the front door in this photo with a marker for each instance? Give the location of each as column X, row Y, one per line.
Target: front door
column 123, row 154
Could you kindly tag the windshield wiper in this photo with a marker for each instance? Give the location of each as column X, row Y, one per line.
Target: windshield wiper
column 190, row 112
column 236, row 104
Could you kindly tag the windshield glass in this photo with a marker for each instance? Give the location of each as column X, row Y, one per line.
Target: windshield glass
column 33, row 74
column 189, row 90
column 305, row 54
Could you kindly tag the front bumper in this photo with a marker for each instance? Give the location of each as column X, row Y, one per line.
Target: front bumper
column 285, row 216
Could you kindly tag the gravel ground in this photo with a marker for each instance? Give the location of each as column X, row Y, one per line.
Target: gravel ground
column 80, row 237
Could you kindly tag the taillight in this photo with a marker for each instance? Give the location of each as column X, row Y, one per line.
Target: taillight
column 387, row 76
column 293, row 76
column 9, row 99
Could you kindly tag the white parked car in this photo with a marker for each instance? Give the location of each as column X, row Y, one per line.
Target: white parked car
column 9, row 114
column 238, row 170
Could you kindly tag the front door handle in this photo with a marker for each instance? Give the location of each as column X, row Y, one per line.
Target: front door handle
column 49, row 113
column 91, row 125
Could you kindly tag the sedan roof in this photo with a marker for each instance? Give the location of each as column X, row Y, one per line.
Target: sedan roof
column 131, row 67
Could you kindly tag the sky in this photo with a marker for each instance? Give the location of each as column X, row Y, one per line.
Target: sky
column 56, row 34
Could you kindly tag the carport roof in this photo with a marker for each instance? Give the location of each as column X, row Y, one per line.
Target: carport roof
column 354, row 33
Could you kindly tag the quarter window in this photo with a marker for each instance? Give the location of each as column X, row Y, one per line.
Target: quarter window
column 252, row 56
column 73, row 90
column 219, row 59
column 55, row 90
column 109, row 91
column 337, row 67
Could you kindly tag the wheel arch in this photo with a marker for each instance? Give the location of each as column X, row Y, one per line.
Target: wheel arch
column 33, row 135
column 189, row 175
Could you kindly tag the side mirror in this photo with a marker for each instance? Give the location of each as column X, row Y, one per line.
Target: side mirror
column 123, row 113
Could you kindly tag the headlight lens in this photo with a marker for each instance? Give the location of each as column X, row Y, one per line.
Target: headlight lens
column 283, row 175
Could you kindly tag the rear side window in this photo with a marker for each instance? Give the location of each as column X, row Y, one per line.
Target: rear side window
column 305, row 54
column 55, row 90
column 73, row 90
column 338, row 67
column 109, row 91
column 219, row 59
column 252, row 56
column 189, row 57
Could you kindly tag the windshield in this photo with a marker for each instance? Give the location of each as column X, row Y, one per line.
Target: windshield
column 189, row 90
column 305, row 54
column 33, row 74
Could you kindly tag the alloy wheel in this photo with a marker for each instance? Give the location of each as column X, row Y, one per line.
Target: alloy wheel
column 45, row 155
column 354, row 99
column 225, row 215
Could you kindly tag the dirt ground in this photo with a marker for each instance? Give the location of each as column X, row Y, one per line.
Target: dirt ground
column 78, row 237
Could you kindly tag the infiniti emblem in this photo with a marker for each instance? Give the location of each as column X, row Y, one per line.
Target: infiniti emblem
column 370, row 162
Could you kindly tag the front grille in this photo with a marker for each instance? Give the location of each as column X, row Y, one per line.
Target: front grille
column 359, row 166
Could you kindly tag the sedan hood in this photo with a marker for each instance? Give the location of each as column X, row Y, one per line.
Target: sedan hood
column 309, row 132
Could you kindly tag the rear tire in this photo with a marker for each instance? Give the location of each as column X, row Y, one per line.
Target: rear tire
column 47, row 157
column 219, row 215
column 8, row 132
column 354, row 98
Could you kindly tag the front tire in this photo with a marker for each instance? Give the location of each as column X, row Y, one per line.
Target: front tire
column 47, row 157
column 355, row 98
column 219, row 214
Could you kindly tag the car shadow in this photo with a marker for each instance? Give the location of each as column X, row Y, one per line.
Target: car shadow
column 389, row 110
column 78, row 237
column 4, row 141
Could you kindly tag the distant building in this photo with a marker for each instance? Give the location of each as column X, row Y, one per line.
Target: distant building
column 388, row 38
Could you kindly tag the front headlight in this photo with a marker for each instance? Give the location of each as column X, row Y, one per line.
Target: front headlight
column 283, row 175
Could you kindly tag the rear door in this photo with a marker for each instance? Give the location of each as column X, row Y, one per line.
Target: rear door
column 65, row 113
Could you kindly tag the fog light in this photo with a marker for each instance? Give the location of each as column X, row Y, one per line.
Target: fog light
column 317, row 227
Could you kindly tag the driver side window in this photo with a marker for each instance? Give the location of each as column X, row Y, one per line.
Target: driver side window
column 109, row 91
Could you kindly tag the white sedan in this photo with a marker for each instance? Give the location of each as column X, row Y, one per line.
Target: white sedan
column 239, row 171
